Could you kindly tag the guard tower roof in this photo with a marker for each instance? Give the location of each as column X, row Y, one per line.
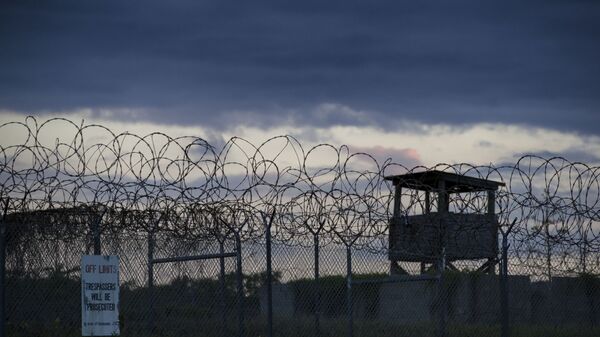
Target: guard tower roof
column 454, row 183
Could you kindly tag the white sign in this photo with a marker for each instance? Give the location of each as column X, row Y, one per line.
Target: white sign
column 100, row 295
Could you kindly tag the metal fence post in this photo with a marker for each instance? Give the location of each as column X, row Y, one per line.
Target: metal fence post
column 96, row 235
column 240, row 285
column 269, row 279
column 2, row 279
column 317, row 288
column 505, row 328
column 222, row 285
column 151, row 281
column 2, row 272
column 349, row 291
column 442, row 305
column 504, row 287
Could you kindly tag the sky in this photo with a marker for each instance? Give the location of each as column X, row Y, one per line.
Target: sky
column 422, row 82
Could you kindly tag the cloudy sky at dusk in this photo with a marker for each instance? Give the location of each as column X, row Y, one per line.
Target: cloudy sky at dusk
column 420, row 81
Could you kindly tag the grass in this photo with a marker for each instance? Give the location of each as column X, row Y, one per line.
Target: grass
column 303, row 327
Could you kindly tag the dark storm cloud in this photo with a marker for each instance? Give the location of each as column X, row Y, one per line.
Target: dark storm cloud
column 272, row 62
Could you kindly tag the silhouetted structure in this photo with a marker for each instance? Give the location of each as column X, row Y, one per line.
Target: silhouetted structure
column 439, row 234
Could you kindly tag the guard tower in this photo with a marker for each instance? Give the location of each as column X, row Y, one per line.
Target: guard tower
column 440, row 234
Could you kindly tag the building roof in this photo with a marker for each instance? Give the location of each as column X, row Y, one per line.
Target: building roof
column 454, row 183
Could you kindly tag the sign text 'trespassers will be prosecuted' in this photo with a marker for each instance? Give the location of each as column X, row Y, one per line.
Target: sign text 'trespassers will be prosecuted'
column 100, row 295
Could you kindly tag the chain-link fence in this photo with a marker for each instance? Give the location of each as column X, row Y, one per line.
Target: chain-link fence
column 276, row 240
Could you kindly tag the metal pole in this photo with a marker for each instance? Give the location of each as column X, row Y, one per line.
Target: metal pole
column 96, row 233
column 2, row 276
column 269, row 282
column 240, row 286
column 504, row 287
column 222, row 286
column 349, row 291
column 442, row 329
column 192, row 258
column 151, row 281
column 317, row 288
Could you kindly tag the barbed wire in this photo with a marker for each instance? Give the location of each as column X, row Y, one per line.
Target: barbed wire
column 55, row 187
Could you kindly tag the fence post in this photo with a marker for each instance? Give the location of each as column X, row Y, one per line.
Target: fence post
column 349, row 291
column 240, row 285
column 317, row 288
column 151, row 281
column 2, row 279
column 3, row 271
column 96, row 235
column 222, row 285
column 504, row 287
column 269, row 278
column 442, row 305
column 505, row 329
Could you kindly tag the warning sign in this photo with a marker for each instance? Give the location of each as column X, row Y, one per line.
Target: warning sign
column 100, row 295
